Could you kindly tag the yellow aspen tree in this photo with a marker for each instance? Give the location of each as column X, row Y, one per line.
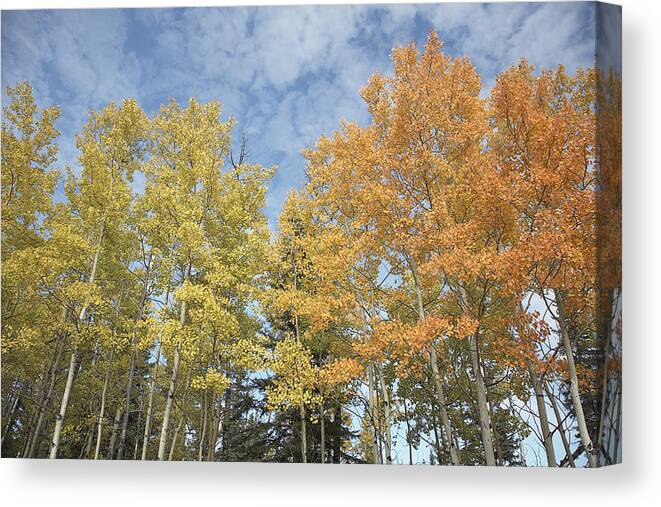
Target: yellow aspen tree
column 28, row 180
column 202, row 216
column 111, row 148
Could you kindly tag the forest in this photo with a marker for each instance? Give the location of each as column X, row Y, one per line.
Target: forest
column 445, row 288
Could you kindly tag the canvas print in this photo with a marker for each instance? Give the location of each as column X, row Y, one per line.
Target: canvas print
column 359, row 234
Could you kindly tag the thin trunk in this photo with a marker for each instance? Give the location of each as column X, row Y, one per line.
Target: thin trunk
column 139, row 424
column 11, row 418
column 129, row 382
column 408, row 432
column 173, row 381
column 203, row 424
column 226, row 420
column 482, row 404
column 43, row 386
column 168, row 405
column 180, row 425
column 481, row 388
column 437, row 440
column 457, row 446
column 561, row 429
column 59, row 420
column 304, row 436
column 573, row 382
column 547, row 438
column 608, row 336
column 220, row 438
column 322, row 418
column 127, row 405
column 618, row 426
column 175, row 437
column 440, row 398
column 374, row 387
column 216, row 420
column 150, row 405
column 602, row 415
column 378, row 419
column 88, row 445
column 433, row 360
column 36, row 438
column 337, row 440
column 372, row 416
column 102, row 410
column 57, row 432
column 496, row 439
column 387, row 418
column 115, row 430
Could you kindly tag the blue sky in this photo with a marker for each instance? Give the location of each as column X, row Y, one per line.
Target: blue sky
column 288, row 74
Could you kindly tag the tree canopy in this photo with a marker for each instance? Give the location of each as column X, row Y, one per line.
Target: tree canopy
column 444, row 288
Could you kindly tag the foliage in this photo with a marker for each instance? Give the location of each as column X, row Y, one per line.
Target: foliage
column 434, row 278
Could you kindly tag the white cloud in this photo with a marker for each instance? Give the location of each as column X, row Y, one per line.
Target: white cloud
column 90, row 55
column 23, row 54
column 288, row 74
column 495, row 36
column 75, row 59
column 293, row 41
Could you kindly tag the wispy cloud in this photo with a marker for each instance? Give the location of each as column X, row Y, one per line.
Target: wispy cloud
column 288, row 74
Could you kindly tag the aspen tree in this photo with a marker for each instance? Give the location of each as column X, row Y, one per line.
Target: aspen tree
column 205, row 218
column 111, row 146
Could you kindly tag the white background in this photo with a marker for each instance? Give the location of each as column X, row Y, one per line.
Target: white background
column 636, row 482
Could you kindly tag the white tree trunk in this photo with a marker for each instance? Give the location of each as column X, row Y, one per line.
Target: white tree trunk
column 59, row 420
column 39, row 406
column 573, row 382
column 440, row 398
column 203, row 434
column 115, row 430
column 322, row 421
column 102, row 410
column 131, row 370
column 150, row 405
column 175, row 437
column 216, row 420
column 168, row 404
column 36, row 437
column 57, row 432
column 438, row 383
column 547, row 439
column 372, row 415
column 304, row 434
column 482, row 404
column 561, row 428
column 127, row 406
column 387, row 419
column 182, row 419
column 173, row 381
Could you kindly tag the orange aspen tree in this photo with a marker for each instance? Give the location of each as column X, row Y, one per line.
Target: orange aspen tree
column 544, row 144
column 401, row 173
